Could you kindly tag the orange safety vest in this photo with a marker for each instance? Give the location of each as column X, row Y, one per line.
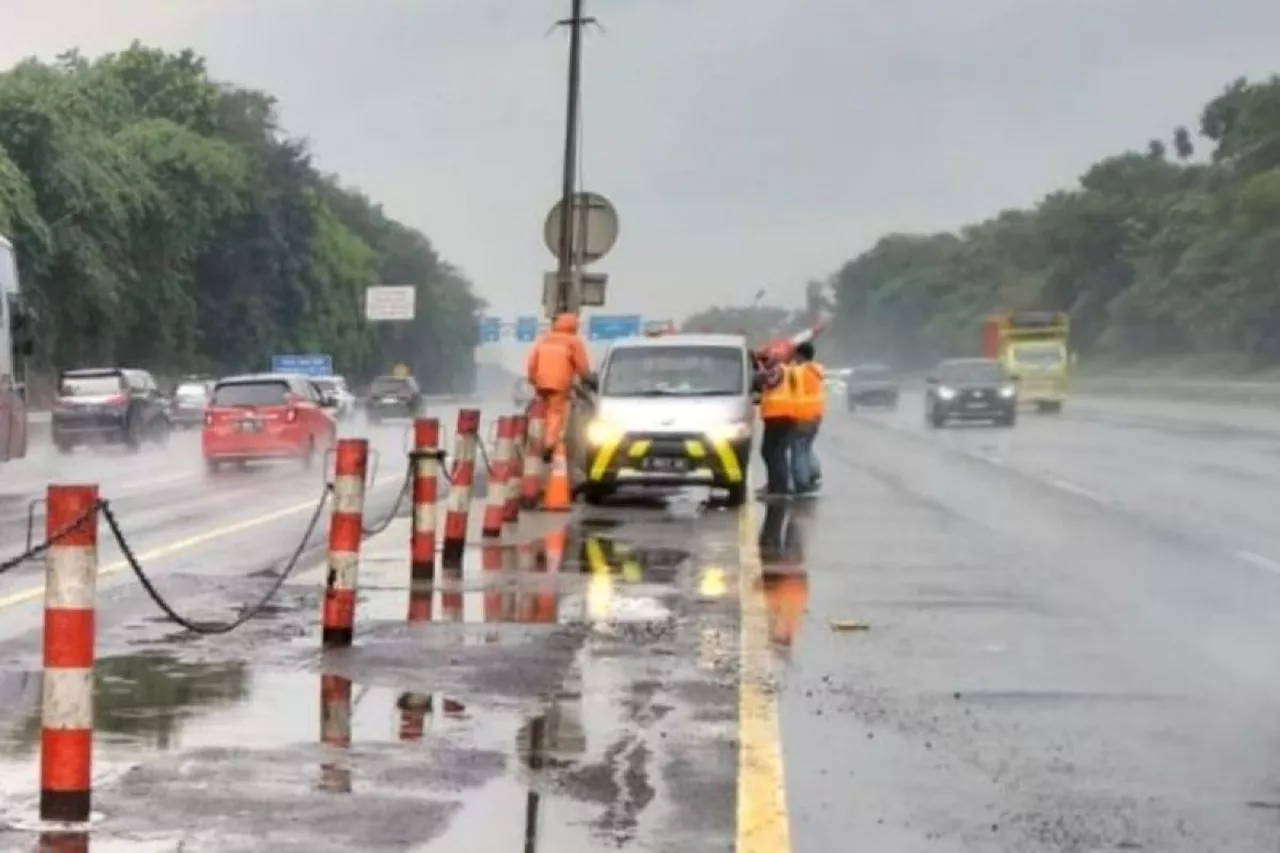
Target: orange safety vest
column 810, row 401
column 779, row 401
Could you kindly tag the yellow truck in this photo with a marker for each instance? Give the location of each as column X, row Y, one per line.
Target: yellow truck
column 1032, row 346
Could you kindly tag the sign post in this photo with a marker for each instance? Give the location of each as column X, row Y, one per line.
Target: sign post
column 394, row 303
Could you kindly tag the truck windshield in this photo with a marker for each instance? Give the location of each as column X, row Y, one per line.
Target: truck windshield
column 1038, row 355
column 675, row 371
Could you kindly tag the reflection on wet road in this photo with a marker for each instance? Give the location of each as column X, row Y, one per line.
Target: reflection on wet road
column 1056, row 637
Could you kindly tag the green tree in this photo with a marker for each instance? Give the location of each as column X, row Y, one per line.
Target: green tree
column 1152, row 256
column 166, row 220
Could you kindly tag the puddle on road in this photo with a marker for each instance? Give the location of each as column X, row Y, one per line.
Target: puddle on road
column 141, row 700
column 571, row 577
column 226, row 747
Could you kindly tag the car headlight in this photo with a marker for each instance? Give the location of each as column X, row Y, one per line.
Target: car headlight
column 600, row 432
column 1008, row 391
column 946, row 393
column 730, row 432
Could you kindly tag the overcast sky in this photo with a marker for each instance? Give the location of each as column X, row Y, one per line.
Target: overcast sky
column 746, row 143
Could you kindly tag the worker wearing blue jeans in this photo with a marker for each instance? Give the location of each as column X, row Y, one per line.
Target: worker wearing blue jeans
column 809, row 408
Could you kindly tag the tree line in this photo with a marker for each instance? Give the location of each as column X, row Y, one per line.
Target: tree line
column 165, row 220
column 1157, row 253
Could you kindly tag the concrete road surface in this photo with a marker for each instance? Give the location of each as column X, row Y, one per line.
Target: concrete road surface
column 1056, row 637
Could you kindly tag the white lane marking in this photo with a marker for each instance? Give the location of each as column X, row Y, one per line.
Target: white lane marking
column 1080, row 491
column 1259, row 561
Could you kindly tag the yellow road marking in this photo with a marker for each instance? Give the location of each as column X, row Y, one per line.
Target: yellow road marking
column 188, row 543
column 764, row 824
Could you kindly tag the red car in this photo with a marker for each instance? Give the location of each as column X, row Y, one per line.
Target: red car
column 266, row 416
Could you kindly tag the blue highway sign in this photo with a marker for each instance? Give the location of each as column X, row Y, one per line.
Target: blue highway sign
column 307, row 365
column 526, row 329
column 610, row 327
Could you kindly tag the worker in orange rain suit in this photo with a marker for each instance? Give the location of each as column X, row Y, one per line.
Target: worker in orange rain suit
column 808, row 408
column 556, row 361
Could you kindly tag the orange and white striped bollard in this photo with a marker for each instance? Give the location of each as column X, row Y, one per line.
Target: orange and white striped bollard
column 71, row 576
column 422, row 535
column 531, row 477
column 351, row 461
column 458, row 506
column 515, row 471
column 495, row 504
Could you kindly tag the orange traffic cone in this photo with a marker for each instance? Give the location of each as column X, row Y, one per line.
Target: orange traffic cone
column 558, row 496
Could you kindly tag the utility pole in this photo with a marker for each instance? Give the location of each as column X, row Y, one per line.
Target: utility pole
column 566, row 299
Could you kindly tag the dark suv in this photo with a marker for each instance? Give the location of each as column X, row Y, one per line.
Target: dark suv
column 109, row 405
column 393, row 397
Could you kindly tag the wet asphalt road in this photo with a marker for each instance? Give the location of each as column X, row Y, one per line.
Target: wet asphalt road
column 1072, row 642
column 1069, row 645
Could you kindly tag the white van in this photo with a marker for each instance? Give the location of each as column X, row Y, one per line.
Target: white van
column 669, row 411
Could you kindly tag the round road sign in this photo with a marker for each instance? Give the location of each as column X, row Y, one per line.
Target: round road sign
column 595, row 228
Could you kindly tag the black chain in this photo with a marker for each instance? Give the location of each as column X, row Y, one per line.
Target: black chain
column 484, row 456
column 405, row 488
column 246, row 614
column 67, row 530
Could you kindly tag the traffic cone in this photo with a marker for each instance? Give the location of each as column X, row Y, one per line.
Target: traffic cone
column 558, row 496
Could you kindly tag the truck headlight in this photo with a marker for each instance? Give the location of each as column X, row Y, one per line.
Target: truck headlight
column 1008, row 391
column 945, row 393
column 736, row 431
column 600, row 432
